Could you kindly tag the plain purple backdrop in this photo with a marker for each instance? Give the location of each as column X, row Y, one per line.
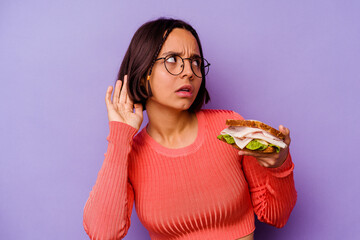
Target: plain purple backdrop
column 294, row 63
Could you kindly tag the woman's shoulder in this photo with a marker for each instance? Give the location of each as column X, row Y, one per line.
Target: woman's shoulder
column 221, row 113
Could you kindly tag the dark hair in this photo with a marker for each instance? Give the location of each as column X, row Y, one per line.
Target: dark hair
column 141, row 54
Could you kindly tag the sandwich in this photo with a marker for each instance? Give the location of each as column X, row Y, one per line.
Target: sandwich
column 252, row 135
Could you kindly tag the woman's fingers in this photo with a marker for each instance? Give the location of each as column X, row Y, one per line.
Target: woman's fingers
column 264, row 159
column 263, row 163
column 261, row 159
column 108, row 96
column 123, row 94
column 129, row 106
column 121, row 108
column 128, row 100
column 116, row 91
column 270, row 160
column 286, row 132
column 257, row 154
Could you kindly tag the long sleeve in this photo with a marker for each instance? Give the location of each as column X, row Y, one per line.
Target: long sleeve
column 108, row 209
column 272, row 190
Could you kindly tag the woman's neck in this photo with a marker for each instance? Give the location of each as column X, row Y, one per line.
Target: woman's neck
column 170, row 126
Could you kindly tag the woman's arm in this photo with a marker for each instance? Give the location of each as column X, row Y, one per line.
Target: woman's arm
column 108, row 209
column 272, row 190
column 271, row 184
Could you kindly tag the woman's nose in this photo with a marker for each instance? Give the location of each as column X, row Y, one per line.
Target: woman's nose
column 187, row 68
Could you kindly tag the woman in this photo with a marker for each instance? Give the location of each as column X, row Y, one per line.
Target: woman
column 186, row 184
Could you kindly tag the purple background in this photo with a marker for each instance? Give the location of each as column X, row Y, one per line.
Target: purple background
column 282, row 62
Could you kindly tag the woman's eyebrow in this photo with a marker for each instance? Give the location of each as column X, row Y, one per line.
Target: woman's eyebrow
column 179, row 53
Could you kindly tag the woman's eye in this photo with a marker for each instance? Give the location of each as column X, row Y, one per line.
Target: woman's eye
column 197, row 62
column 171, row 59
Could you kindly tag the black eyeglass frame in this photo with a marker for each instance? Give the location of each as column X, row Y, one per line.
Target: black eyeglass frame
column 183, row 64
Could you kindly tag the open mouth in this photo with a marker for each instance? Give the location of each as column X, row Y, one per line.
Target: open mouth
column 185, row 88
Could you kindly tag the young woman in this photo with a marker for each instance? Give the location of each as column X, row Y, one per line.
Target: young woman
column 186, row 184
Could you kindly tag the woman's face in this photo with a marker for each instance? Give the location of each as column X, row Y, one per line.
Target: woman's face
column 165, row 86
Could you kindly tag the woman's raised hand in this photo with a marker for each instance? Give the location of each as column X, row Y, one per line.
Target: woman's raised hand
column 121, row 109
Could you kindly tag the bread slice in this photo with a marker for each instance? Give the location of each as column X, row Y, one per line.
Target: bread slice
column 269, row 149
column 256, row 124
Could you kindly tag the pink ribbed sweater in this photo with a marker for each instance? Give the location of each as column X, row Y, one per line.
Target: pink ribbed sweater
column 202, row 191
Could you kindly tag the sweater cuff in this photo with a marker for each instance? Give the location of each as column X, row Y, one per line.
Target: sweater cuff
column 284, row 170
column 120, row 132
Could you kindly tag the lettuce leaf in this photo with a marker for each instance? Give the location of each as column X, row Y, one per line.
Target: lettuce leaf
column 256, row 145
column 253, row 145
column 229, row 139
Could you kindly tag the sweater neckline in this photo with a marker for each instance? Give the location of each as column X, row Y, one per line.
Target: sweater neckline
column 173, row 152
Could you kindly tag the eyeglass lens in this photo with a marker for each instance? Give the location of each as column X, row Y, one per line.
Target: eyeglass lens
column 175, row 65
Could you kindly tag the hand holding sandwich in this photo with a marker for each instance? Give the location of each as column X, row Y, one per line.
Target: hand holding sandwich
column 272, row 160
column 253, row 138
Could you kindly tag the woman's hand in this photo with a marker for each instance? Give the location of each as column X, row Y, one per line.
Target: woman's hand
column 121, row 109
column 272, row 160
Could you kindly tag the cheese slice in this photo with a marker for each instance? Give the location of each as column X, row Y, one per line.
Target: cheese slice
column 244, row 135
column 271, row 140
column 239, row 132
column 241, row 143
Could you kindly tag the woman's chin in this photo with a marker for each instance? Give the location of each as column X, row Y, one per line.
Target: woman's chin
column 185, row 106
column 179, row 105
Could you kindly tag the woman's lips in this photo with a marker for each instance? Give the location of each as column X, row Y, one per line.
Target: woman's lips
column 185, row 91
column 184, row 94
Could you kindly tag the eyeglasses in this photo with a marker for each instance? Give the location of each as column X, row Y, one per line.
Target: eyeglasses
column 174, row 64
